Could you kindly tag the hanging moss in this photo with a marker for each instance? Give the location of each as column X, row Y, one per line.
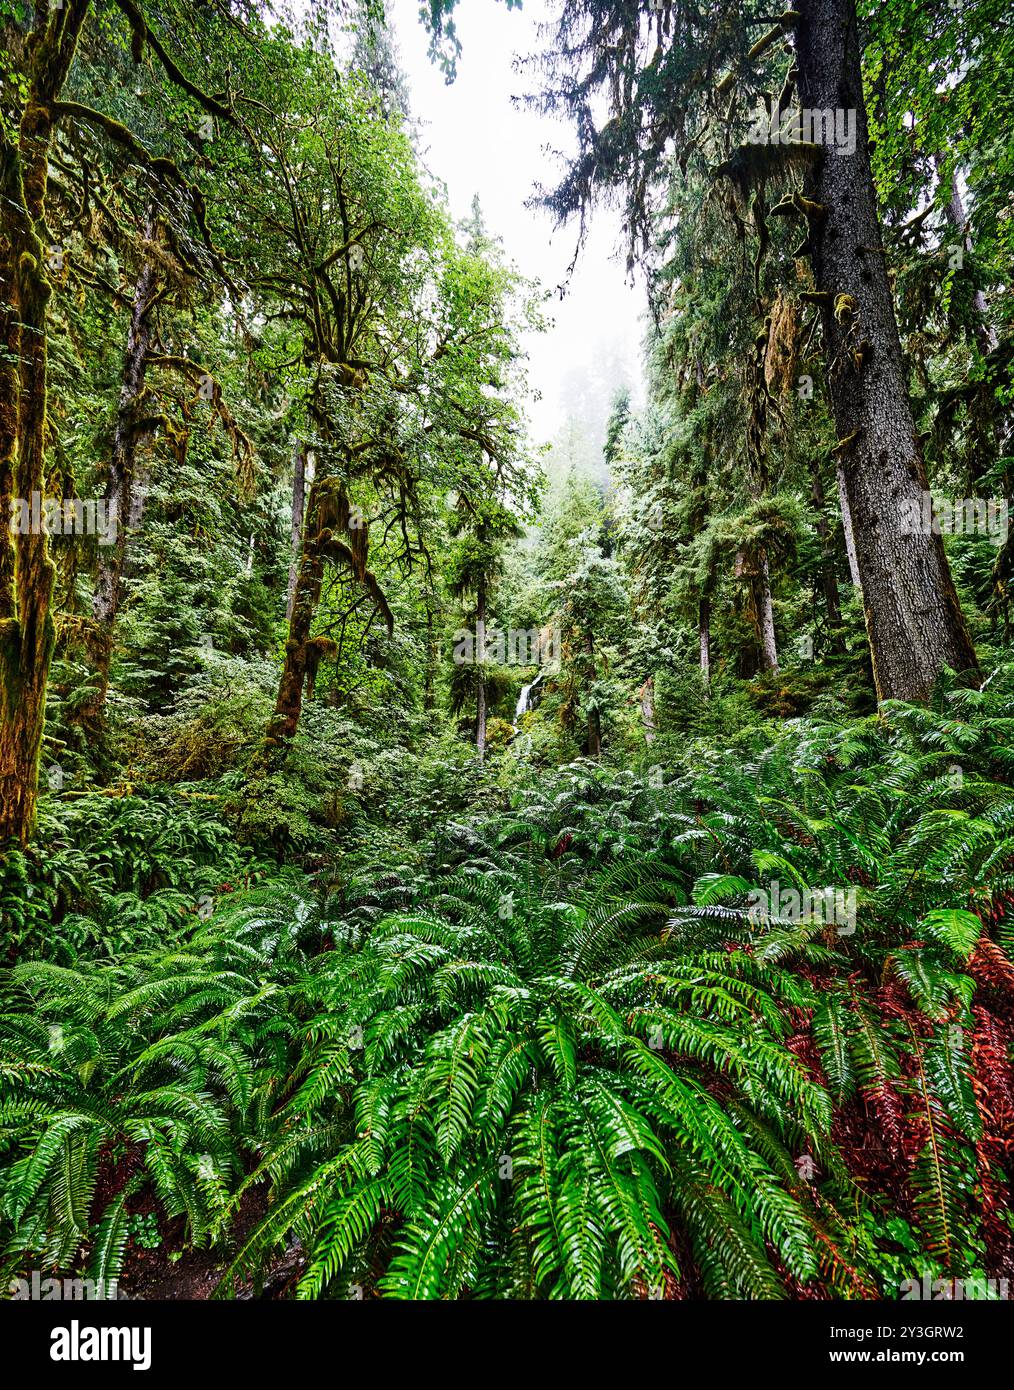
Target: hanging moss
column 750, row 165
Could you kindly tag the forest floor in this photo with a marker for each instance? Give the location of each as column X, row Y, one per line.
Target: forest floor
column 173, row 1271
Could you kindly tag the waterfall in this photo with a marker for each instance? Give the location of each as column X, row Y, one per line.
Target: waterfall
column 522, row 705
column 524, row 701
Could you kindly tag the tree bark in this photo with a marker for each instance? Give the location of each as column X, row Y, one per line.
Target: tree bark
column 432, row 658
column 306, row 596
column 704, row 637
column 766, row 615
column 298, row 509
column 122, row 493
column 26, row 570
column 698, row 520
column 913, row 618
column 648, row 710
column 329, row 517
column 480, row 671
column 846, row 524
column 594, row 719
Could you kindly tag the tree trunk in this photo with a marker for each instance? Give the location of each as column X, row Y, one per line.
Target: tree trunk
column 698, row 521
column 432, row 657
column 846, row 524
column 594, row 720
column 704, row 636
column 121, row 494
column 985, row 335
column 298, row 509
column 26, row 569
column 480, row 672
column 913, row 619
column 766, row 615
column 306, row 596
column 648, row 710
column 334, row 533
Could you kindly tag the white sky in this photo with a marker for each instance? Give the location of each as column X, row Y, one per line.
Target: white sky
column 476, row 141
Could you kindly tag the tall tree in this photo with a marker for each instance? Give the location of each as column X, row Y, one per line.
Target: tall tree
column 913, row 617
column 482, row 527
column 675, row 79
column 31, row 86
column 37, row 57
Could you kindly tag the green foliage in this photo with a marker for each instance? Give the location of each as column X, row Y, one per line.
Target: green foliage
column 113, row 1074
column 117, row 873
column 695, row 977
column 554, row 1053
column 519, row 1087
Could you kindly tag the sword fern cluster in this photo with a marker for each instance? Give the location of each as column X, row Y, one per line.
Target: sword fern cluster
column 504, row 1094
column 555, row 1055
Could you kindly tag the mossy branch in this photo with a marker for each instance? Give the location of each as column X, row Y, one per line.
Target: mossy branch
column 786, row 22
column 141, row 35
column 844, row 445
column 242, row 445
column 785, row 207
column 749, row 164
column 812, row 211
column 120, row 135
column 764, row 43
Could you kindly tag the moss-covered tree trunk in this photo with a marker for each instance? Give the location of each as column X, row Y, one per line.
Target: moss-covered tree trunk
column 704, row 638
column 766, row 618
column 305, row 598
column 329, row 517
column 299, row 471
column 913, row 617
column 594, row 718
column 753, row 568
column 480, row 671
column 26, row 570
column 648, row 710
column 121, row 494
column 432, row 656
